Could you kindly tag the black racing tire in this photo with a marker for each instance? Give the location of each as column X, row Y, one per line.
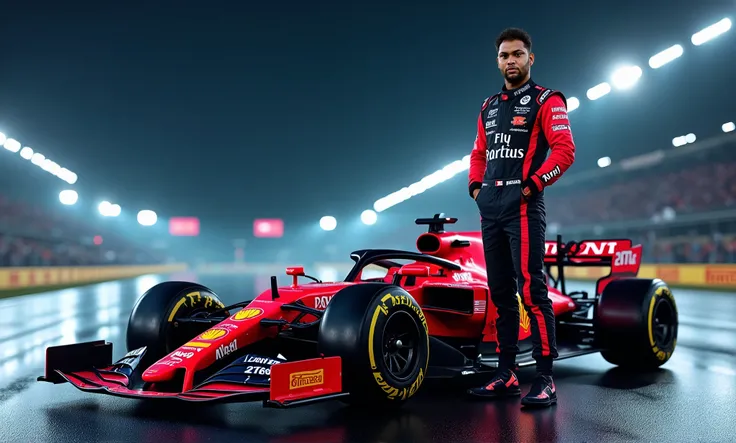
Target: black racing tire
column 636, row 323
column 360, row 323
column 151, row 323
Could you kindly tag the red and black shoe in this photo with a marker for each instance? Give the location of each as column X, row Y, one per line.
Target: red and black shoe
column 503, row 384
column 542, row 394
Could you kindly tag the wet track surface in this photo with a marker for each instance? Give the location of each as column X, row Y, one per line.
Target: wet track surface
column 690, row 399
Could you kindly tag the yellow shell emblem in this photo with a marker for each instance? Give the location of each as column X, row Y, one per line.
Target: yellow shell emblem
column 213, row 334
column 245, row 314
column 524, row 320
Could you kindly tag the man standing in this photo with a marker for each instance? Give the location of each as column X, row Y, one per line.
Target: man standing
column 509, row 170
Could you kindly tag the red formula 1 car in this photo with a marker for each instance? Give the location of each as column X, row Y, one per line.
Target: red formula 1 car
column 398, row 318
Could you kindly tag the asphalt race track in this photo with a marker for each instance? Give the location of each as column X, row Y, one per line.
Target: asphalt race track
column 690, row 399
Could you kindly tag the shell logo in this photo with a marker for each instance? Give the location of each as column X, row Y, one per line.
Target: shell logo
column 213, row 334
column 248, row 313
column 524, row 319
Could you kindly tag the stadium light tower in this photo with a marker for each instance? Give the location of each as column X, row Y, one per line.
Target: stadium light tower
column 728, row 127
column 598, row 91
column 67, row 175
column 328, row 223
column 38, row 159
column 369, row 217
column 12, row 145
column 573, row 103
column 711, row 32
column 108, row 209
column 68, row 197
column 662, row 58
column 604, row 162
column 26, row 153
column 147, row 217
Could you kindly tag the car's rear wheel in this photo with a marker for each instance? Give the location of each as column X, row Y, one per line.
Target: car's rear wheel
column 153, row 324
column 382, row 337
column 636, row 323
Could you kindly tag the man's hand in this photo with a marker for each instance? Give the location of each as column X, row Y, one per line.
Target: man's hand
column 531, row 187
column 475, row 194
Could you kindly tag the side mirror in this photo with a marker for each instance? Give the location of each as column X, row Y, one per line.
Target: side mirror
column 414, row 270
column 295, row 270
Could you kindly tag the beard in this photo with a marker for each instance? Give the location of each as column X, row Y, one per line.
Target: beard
column 518, row 76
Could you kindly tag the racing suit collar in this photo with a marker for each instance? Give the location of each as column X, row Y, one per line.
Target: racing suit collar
column 505, row 91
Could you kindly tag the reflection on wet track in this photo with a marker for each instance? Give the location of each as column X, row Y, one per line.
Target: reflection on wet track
column 690, row 399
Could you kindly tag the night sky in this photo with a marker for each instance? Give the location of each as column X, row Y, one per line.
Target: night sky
column 297, row 109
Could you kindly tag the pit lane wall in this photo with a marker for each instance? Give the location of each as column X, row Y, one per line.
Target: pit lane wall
column 19, row 278
column 689, row 275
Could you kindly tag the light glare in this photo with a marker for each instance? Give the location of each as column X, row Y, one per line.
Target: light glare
column 660, row 59
column 328, row 223
column 626, row 77
column 604, row 162
column 68, row 197
column 369, row 217
column 147, row 217
column 598, row 91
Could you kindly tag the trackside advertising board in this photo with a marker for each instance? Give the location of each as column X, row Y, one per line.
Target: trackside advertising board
column 696, row 275
column 15, row 278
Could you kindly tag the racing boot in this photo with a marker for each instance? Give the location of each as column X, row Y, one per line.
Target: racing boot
column 542, row 394
column 503, row 384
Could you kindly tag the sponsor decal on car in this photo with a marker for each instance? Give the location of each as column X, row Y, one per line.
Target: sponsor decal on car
column 247, row 314
column 321, row 301
column 524, row 320
column 213, row 334
column 306, row 379
column 182, row 354
column 462, row 276
column 479, row 306
column 224, row 350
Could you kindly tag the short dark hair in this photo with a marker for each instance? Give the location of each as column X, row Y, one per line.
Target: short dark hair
column 510, row 34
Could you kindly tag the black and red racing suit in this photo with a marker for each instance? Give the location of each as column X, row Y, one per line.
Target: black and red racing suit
column 516, row 130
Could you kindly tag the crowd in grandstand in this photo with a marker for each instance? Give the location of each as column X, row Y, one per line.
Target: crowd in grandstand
column 704, row 187
column 652, row 201
column 34, row 236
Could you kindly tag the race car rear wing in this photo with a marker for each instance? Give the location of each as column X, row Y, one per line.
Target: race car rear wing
column 618, row 254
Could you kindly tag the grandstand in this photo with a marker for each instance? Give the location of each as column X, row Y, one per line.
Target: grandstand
column 682, row 206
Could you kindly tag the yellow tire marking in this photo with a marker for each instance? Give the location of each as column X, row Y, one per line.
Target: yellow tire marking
column 649, row 321
column 371, row 334
column 176, row 308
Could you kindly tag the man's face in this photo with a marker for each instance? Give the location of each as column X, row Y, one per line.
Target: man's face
column 514, row 61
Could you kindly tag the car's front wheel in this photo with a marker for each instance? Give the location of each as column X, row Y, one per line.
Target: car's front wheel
column 382, row 337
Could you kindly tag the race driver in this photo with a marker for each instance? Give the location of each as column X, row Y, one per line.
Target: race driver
column 509, row 170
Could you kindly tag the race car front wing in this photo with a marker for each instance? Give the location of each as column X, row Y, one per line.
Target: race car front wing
column 89, row 367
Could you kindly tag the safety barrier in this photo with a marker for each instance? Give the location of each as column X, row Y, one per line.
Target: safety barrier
column 14, row 278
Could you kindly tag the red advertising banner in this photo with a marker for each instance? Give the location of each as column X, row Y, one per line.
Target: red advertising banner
column 268, row 227
column 184, row 226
